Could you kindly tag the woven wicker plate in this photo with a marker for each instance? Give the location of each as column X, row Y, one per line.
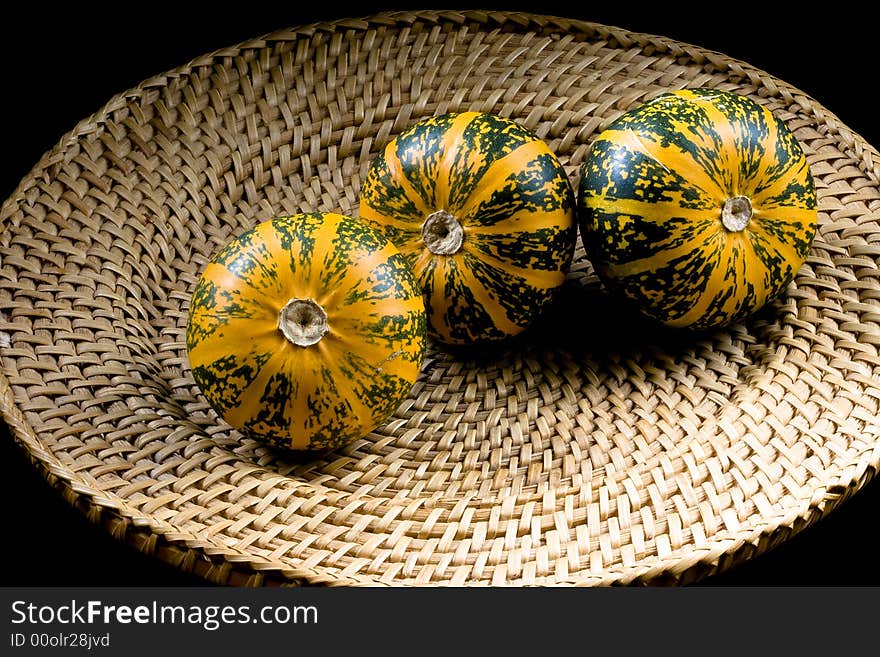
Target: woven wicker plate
column 585, row 453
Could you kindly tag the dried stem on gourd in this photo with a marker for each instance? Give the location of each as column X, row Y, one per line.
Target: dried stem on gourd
column 442, row 233
column 736, row 213
column 303, row 322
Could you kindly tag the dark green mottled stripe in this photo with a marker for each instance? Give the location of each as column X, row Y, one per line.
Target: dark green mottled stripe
column 736, row 289
column 270, row 416
column 617, row 238
column 335, row 432
column 465, row 320
column 385, row 195
column 493, row 137
column 544, row 249
column 749, row 124
column 671, row 291
column 220, row 305
column 616, row 172
column 352, row 240
column 420, row 151
column 393, row 330
column 296, row 235
column 246, row 257
column 326, row 402
column 224, row 381
column 392, row 279
column 779, row 270
column 231, row 251
column 657, row 121
column 539, row 186
column 796, row 194
column 399, row 236
column 521, row 301
column 380, row 391
column 355, row 237
column 793, row 233
column 788, row 157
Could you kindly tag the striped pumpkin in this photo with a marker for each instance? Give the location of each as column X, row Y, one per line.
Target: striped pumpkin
column 306, row 331
column 698, row 205
column 484, row 212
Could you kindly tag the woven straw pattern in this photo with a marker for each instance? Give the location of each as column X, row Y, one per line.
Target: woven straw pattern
column 589, row 452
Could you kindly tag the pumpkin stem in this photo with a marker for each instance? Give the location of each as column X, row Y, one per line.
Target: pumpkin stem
column 736, row 213
column 442, row 233
column 303, row 322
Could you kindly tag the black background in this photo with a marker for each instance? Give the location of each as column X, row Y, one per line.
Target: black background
column 61, row 65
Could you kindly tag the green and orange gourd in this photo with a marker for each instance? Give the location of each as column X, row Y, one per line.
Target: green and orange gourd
column 306, row 331
column 698, row 206
column 484, row 212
